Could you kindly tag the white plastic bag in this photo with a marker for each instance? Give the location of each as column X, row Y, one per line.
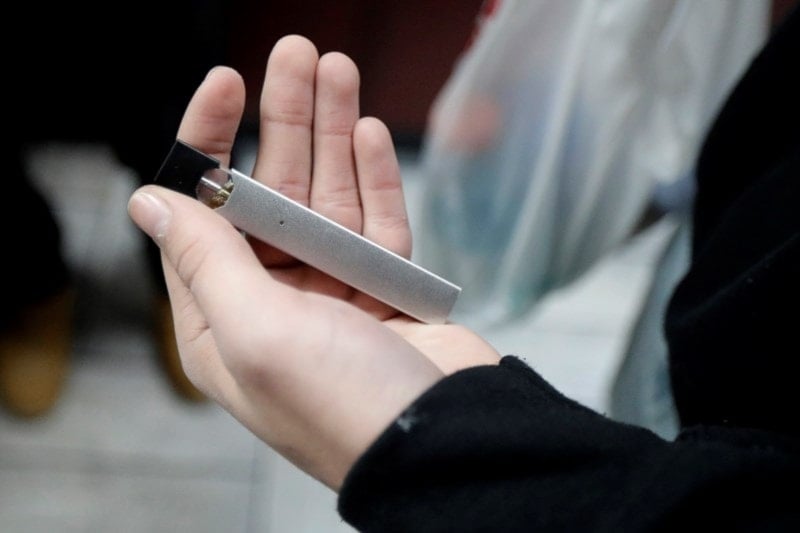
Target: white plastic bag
column 546, row 144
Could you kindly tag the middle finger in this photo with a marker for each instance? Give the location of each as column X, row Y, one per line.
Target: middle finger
column 287, row 112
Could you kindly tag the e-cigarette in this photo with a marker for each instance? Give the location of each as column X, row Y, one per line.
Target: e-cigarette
column 295, row 229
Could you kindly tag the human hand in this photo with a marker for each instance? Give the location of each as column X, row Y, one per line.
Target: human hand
column 312, row 367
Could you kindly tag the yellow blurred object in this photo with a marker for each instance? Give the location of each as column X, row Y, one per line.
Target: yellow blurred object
column 168, row 352
column 35, row 355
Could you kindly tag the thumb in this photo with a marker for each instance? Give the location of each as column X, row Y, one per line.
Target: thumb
column 212, row 259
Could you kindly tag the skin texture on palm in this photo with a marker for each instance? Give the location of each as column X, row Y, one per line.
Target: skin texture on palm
column 312, row 367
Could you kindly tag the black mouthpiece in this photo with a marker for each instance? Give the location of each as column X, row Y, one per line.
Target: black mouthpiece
column 183, row 168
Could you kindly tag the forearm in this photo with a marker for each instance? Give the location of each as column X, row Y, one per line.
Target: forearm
column 497, row 448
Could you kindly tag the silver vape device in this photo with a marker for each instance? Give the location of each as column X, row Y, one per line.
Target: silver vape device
column 308, row 236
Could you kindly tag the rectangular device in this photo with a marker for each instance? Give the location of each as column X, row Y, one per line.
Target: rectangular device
column 308, row 236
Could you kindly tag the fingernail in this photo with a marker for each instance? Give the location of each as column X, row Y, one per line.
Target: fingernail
column 150, row 213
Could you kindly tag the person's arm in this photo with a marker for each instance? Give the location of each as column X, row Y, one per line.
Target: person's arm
column 321, row 373
column 313, row 368
column 498, row 449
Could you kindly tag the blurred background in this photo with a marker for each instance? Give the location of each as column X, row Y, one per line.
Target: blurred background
column 99, row 431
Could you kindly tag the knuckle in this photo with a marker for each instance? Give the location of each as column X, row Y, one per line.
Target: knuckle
column 390, row 221
column 292, row 113
column 189, row 260
column 343, row 197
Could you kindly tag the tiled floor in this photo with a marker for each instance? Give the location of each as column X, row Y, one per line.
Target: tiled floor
column 121, row 453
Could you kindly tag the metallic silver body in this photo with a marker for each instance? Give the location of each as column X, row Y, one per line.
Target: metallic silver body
column 339, row 252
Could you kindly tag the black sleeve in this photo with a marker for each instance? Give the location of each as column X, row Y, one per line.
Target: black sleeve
column 498, row 449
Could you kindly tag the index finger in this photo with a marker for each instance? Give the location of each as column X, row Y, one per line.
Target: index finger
column 214, row 113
